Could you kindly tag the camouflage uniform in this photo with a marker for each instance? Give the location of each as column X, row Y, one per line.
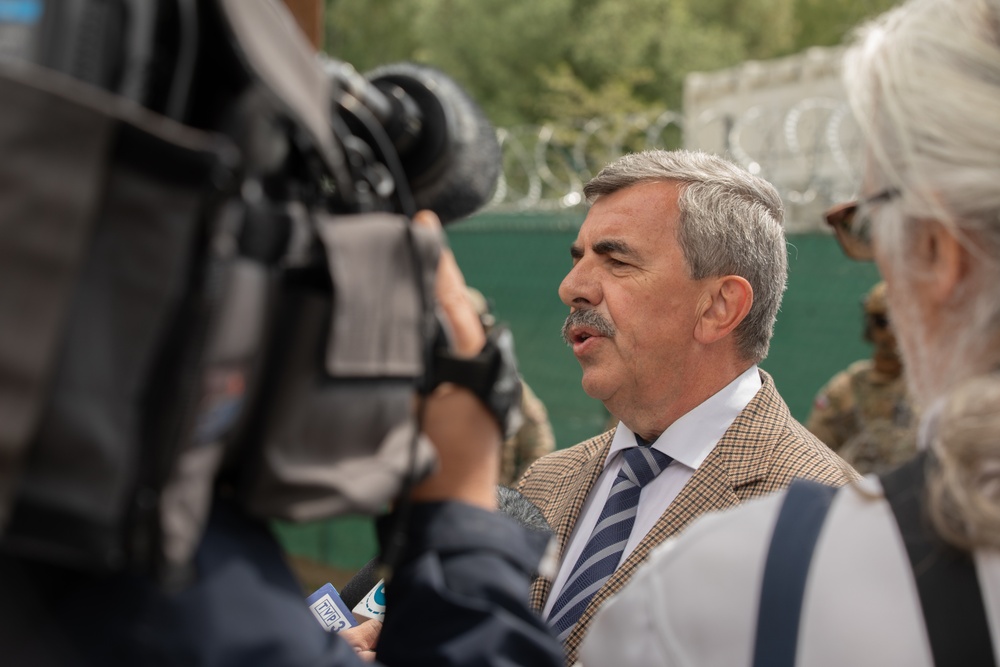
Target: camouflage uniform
column 864, row 413
column 865, row 416
column 533, row 440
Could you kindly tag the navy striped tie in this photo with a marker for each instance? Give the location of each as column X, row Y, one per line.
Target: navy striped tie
column 607, row 543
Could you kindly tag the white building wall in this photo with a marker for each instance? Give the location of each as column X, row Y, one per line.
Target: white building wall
column 785, row 119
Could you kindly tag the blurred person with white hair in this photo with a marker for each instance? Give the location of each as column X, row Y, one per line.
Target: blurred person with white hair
column 901, row 569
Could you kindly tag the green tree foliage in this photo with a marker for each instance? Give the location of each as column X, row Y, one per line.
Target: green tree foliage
column 497, row 48
column 647, row 45
column 761, row 28
column 368, row 33
column 825, row 23
column 533, row 61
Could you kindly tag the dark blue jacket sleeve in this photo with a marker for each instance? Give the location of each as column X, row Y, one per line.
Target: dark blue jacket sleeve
column 459, row 597
column 460, row 593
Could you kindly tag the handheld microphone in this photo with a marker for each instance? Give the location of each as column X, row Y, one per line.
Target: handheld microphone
column 330, row 610
column 365, row 592
column 373, row 604
column 361, row 584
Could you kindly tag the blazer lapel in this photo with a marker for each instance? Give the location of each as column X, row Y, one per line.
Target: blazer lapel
column 740, row 458
column 567, row 502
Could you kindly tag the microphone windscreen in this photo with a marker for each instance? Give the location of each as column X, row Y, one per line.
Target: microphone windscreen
column 514, row 504
column 355, row 590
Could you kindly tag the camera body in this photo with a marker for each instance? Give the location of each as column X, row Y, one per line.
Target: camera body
column 209, row 280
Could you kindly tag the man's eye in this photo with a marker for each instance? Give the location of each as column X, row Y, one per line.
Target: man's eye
column 616, row 262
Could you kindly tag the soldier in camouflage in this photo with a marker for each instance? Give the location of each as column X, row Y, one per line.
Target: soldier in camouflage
column 864, row 413
column 535, row 438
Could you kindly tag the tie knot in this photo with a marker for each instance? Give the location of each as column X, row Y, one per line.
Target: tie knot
column 642, row 464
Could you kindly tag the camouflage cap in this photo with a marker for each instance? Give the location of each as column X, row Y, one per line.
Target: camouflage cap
column 875, row 302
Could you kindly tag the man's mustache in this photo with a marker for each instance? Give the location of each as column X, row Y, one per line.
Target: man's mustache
column 587, row 318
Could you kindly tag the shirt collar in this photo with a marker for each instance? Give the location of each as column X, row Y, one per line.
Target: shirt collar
column 690, row 439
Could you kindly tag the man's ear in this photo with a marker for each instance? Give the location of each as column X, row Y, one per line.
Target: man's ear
column 726, row 302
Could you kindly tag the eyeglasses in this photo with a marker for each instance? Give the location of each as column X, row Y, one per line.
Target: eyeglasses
column 852, row 225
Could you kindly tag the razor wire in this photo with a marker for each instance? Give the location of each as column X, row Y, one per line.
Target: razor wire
column 809, row 150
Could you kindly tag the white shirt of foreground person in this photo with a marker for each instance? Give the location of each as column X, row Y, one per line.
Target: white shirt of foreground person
column 689, row 441
column 695, row 600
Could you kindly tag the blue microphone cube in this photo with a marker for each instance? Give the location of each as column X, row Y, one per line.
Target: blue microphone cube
column 330, row 610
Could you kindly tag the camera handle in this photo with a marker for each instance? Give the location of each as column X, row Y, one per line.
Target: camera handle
column 491, row 375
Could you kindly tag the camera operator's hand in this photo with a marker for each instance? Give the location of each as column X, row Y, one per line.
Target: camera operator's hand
column 462, row 429
column 453, row 296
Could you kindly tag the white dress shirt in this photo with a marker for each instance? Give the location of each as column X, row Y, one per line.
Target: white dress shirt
column 689, row 440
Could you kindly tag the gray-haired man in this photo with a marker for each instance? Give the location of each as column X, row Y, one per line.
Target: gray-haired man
column 678, row 272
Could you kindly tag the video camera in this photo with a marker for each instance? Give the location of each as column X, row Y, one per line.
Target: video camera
column 209, row 283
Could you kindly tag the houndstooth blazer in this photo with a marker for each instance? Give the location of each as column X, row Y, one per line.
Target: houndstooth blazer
column 762, row 451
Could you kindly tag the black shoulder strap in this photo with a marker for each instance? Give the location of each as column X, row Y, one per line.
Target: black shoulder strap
column 795, row 533
column 945, row 576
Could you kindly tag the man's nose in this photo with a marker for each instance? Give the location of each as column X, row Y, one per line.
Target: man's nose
column 579, row 288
